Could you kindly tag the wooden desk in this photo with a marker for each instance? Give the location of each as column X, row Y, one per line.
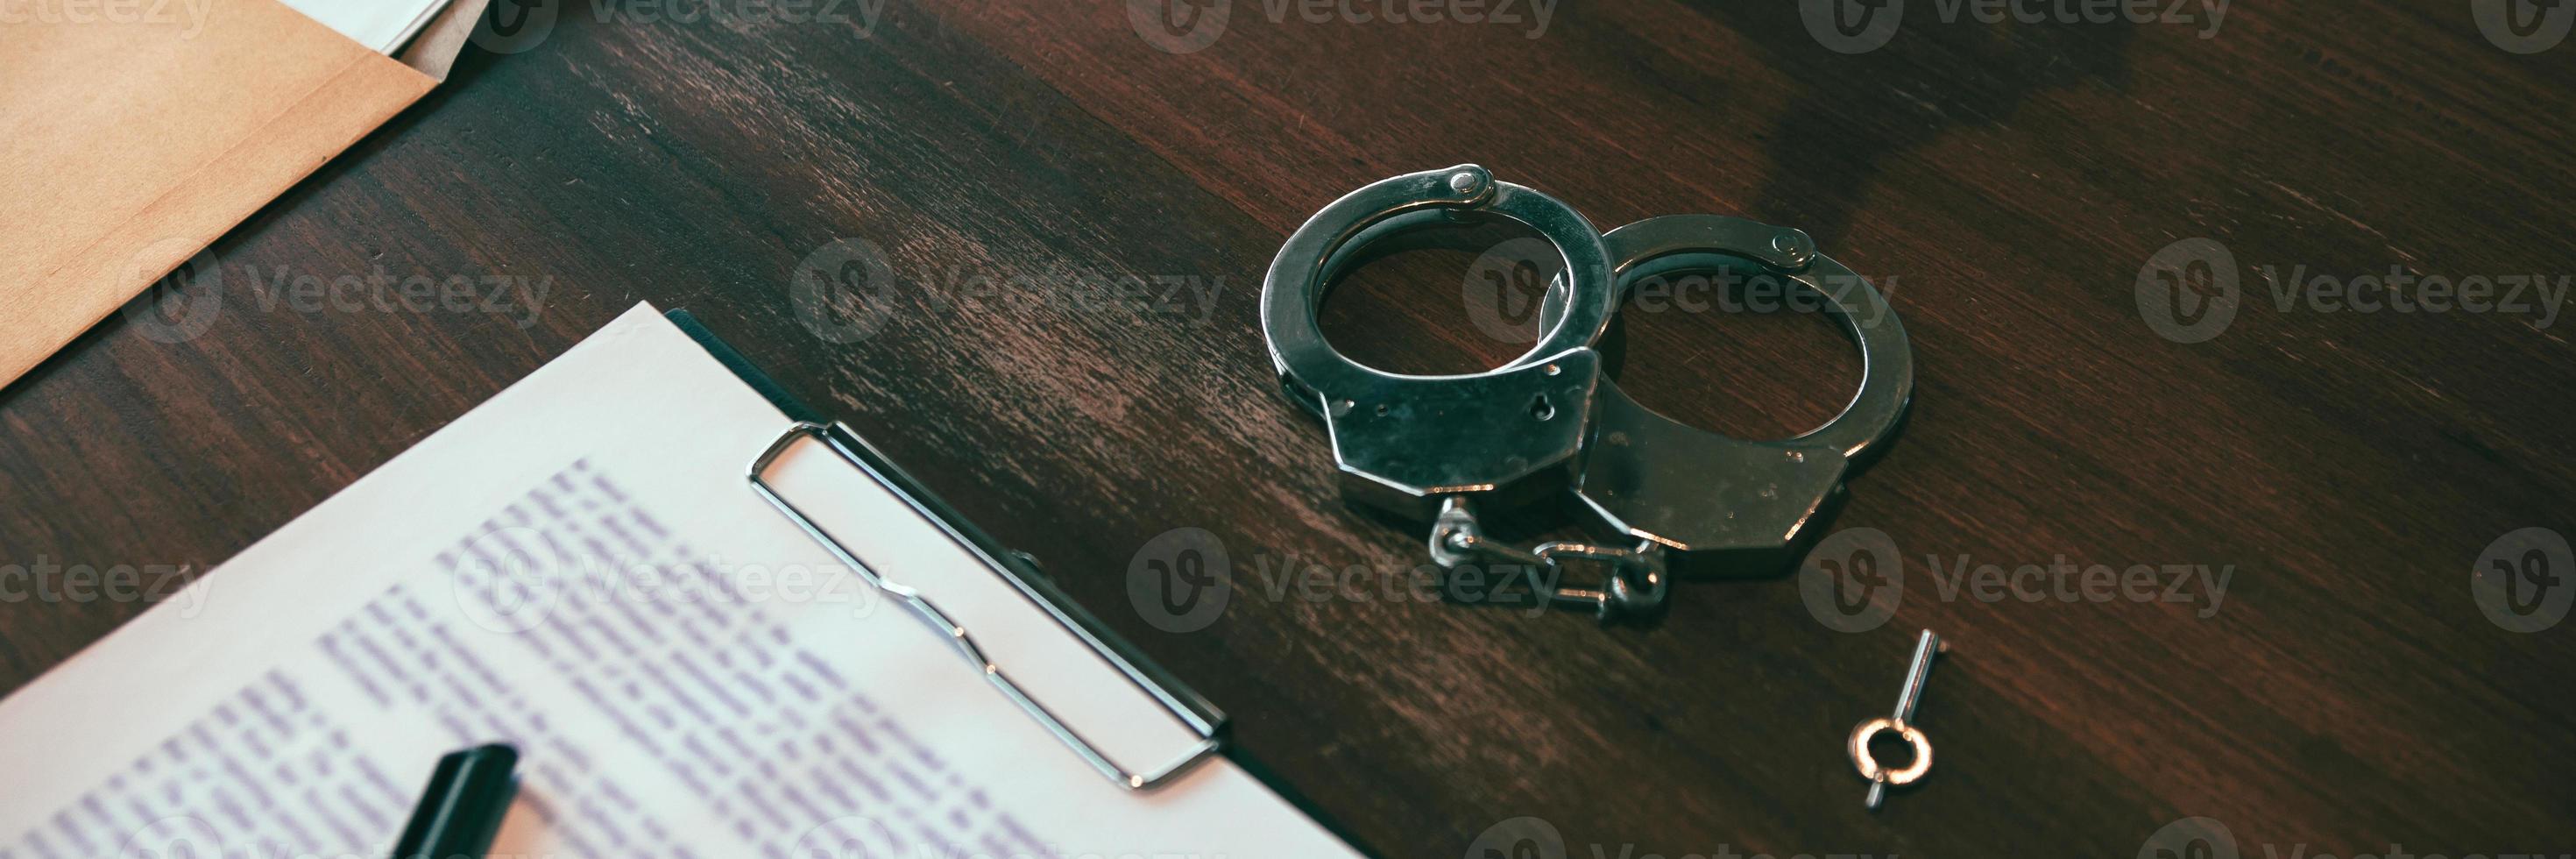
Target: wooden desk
column 2009, row 181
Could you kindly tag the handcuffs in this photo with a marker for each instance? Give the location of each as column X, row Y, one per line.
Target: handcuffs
column 1442, row 448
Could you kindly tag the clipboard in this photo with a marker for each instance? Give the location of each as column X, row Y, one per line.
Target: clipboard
column 1017, row 569
column 632, row 651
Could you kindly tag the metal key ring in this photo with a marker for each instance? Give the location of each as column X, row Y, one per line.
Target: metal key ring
column 1405, row 442
column 1870, row 768
column 1709, row 497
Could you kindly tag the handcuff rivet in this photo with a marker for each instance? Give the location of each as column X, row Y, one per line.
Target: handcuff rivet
column 1794, row 246
column 1465, row 181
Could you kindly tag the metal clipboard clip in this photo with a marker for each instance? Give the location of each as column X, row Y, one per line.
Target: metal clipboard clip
column 1185, row 707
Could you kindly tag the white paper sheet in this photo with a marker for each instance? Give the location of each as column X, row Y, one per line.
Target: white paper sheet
column 383, row 25
column 579, row 568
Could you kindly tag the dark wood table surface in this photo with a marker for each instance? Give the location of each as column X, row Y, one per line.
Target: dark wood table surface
column 2009, row 183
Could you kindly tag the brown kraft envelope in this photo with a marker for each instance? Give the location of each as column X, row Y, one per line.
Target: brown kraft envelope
column 135, row 135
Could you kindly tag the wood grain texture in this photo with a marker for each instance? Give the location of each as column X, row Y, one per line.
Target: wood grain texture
column 2009, row 181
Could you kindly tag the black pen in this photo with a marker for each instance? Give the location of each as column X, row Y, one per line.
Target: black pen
column 461, row 811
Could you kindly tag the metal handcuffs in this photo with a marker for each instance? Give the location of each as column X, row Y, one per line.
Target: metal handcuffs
column 1689, row 501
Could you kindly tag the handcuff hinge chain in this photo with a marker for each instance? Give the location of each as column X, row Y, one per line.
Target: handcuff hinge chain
column 1636, row 585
